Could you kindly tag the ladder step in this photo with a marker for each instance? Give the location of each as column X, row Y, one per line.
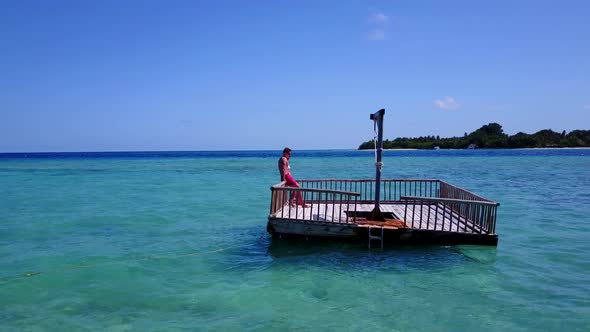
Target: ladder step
column 375, row 237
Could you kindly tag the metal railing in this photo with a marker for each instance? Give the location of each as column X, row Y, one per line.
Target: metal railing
column 450, row 191
column 428, row 204
column 325, row 205
column 451, row 215
column 391, row 190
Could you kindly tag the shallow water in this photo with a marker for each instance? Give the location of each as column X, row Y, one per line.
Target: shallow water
column 169, row 241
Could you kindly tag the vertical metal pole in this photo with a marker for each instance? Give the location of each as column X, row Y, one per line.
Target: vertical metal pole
column 378, row 118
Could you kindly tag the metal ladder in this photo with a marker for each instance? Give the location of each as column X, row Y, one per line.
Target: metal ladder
column 379, row 236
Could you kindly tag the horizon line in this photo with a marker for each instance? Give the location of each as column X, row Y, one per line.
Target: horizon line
column 135, row 151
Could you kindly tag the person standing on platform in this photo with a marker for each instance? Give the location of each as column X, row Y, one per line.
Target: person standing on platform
column 285, row 171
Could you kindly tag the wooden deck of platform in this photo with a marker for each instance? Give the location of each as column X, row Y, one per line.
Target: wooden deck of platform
column 416, row 211
column 433, row 217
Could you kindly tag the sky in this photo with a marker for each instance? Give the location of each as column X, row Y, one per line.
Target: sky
column 262, row 75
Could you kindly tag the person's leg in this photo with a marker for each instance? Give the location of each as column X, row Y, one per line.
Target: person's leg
column 290, row 182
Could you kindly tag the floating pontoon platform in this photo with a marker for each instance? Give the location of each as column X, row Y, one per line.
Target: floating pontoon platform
column 415, row 211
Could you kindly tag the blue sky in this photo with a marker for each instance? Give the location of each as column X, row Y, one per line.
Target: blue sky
column 233, row 75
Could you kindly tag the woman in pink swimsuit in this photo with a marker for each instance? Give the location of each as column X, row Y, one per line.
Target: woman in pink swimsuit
column 286, row 176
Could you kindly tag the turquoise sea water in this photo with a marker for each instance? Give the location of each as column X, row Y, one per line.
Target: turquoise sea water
column 176, row 241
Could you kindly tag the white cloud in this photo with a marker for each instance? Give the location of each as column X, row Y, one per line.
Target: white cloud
column 447, row 103
column 378, row 23
column 587, row 107
column 378, row 18
column 376, row 34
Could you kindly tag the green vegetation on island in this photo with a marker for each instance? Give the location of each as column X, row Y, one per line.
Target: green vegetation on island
column 490, row 136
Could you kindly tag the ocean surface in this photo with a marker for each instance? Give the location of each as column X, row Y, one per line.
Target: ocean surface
column 154, row 241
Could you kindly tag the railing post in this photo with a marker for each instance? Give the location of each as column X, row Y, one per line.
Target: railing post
column 436, row 217
column 405, row 210
column 421, row 208
column 272, row 200
column 413, row 211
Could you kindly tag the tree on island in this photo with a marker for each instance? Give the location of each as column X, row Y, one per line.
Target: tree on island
column 490, row 136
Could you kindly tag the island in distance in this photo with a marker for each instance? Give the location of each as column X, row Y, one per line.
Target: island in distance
column 490, row 136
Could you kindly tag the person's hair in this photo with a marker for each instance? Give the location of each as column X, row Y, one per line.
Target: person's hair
column 286, row 150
